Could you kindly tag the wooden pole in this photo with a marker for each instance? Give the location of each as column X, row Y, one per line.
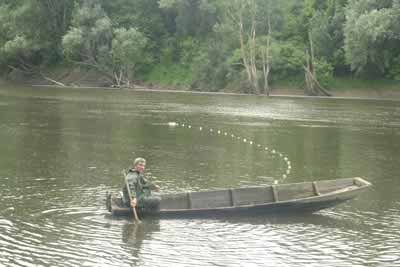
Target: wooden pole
column 136, row 217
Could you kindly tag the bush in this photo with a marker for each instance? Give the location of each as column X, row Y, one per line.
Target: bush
column 170, row 74
column 324, row 72
column 210, row 69
column 394, row 71
column 287, row 59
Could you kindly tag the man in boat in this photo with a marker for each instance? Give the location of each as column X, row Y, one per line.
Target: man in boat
column 142, row 191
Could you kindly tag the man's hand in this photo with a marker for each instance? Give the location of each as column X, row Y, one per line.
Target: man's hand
column 133, row 202
column 156, row 188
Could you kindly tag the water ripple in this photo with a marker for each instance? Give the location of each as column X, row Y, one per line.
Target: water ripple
column 53, row 181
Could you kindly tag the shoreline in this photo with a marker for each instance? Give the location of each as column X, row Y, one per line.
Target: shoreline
column 344, row 88
column 355, row 94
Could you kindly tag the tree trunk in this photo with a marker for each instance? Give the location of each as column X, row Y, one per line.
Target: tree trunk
column 317, row 88
column 253, row 48
column 313, row 87
column 266, row 58
column 248, row 44
column 309, row 89
column 243, row 48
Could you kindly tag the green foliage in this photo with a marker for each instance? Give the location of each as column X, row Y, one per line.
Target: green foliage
column 197, row 42
column 17, row 46
column 172, row 74
column 90, row 32
column 73, row 43
column 188, row 49
column 94, row 41
column 210, row 68
column 144, row 15
column 194, row 18
column 354, row 83
column 394, row 72
column 371, row 35
column 168, row 3
column 324, row 72
column 129, row 50
column 31, row 31
column 288, row 59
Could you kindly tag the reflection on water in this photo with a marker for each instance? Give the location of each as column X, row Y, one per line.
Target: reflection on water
column 63, row 149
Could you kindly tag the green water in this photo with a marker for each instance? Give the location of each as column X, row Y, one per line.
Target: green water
column 62, row 149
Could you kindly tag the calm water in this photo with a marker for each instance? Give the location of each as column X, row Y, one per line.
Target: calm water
column 62, row 149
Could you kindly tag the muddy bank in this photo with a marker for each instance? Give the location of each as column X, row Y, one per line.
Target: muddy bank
column 82, row 78
column 388, row 94
column 345, row 93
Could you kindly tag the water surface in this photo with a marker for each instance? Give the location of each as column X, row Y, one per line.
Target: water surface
column 63, row 149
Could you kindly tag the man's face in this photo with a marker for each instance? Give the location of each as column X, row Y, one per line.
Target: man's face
column 140, row 166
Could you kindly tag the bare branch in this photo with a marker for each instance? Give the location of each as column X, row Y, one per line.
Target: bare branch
column 53, row 81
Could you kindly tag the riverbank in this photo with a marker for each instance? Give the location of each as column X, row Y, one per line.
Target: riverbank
column 341, row 87
column 367, row 94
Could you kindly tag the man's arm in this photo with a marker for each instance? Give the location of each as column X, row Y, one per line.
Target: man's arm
column 132, row 183
column 151, row 186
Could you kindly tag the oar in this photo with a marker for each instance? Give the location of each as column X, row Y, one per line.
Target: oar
column 130, row 198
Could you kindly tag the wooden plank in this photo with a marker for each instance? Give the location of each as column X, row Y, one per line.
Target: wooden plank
column 360, row 182
column 211, row 199
column 174, row 201
column 333, row 185
column 252, row 196
column 295, row 191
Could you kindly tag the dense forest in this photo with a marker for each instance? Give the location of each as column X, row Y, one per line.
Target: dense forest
column 205, row 44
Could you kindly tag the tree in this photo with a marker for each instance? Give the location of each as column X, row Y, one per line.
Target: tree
column 144, row 15
column 266, row 57
column 31, row 31
column 327, row 26
column 93, row 41
column 372, row 37
column 241, row 16
column 128, row 53
column 313, row 87
column 194, row 18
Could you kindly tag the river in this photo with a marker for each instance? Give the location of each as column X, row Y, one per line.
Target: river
column 63, row 149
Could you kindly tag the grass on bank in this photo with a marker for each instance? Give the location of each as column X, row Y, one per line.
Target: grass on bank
column 341, row 83
column 172, row 75
column 350, row 83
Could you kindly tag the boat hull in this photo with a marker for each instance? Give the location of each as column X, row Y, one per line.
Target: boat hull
column 344, row 190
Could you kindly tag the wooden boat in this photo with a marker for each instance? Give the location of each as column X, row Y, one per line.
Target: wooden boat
column 295, row 197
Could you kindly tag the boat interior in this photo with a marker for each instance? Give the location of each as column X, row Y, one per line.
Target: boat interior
column 257, row 195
